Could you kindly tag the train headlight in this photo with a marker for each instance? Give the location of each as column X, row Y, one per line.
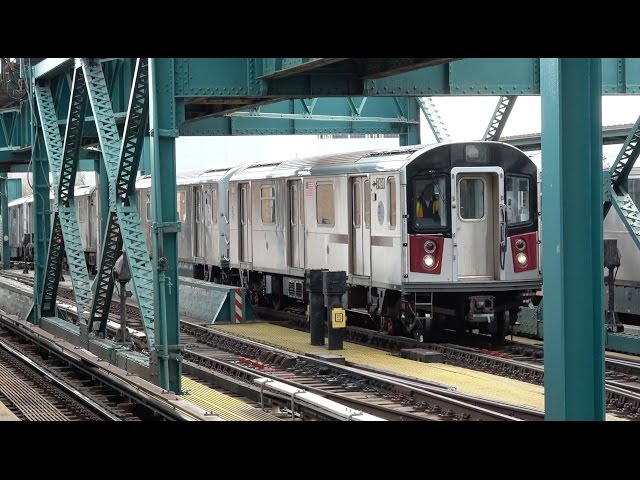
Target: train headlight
column 521, row 258
column 520, row 244
column 430, row 246
column 429, row 261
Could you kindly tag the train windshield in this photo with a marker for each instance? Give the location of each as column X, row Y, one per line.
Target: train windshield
column 517, row 199
column 430, row 203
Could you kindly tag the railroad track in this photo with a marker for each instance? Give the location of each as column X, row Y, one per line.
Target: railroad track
column 387, row 397
column 523, row 362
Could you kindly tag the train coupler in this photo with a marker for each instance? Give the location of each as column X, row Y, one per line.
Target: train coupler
column 481, row 309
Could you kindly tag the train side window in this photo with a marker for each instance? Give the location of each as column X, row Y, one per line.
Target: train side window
column 325, row 214
column 214, row 205
column 198, row 205
column 471, row 198
column 367, row 204
column 517, row 191
column 357, row 212
column 182, row 205
column 268, row 204
column 391, row 188
column 148, row 207
column 207, row 207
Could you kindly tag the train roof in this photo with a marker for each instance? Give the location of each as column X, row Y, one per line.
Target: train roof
column 364, row 161
column 79, row 191
column 191, row 177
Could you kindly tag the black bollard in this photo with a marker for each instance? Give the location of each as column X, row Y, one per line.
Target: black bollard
column 334, row 286
column 316, row 306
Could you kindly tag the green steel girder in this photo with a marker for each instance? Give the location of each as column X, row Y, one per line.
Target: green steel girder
column 41, row 219
column 104, row 284
column 63, row 159
column 410, row 134
column 48, row 118
column 628, row 211
column 52, row 272
column 108, row 135
column 434, row 119
column 73, row 138
column 626, row 158
column 309, row 116
column 121, row 159
column 133, row 139
column 500, row 117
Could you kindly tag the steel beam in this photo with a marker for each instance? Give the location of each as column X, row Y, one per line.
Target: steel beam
column 500, row 117
column 63, row 160
column 626, row 158
column 433, row 119
column 41, row 221
column 411, row 133
column 121, row 160
column 162, row 122
column 50, row 67
column 572, row 248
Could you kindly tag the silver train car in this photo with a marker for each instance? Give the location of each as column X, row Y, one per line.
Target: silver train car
column 470, row 266
column 627, row 275
column 203, row 240
column 21, row 224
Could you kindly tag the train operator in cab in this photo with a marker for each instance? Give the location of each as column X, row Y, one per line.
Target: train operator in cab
column 427, row 205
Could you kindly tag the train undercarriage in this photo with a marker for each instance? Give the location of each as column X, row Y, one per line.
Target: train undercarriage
column 417, row 315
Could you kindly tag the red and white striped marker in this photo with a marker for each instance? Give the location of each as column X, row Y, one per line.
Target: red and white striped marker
column 239, row 305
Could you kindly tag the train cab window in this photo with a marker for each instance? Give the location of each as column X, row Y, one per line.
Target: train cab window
column 391, row 184
column 324, row 204
column 268, row 204
column 214, row 206
column 429, row 203
column 181, row 198
column 471, row 198
column 517, row 199
column 367, row 204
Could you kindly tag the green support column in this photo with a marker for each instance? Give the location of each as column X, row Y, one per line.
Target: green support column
column 572, row 247
column 4, row 193
column 162, row 126
column 411, row 133
column 41, row 221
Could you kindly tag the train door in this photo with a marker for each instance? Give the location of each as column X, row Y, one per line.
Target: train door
column 475, row 222
column 198, row 225
column 296, row 224
column 360, row 226
column 244, row 209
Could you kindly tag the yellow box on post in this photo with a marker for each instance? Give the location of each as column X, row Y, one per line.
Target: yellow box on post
column 338, row 317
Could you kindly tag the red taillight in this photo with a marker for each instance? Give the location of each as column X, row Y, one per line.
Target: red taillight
column 425, row 253
column 524, row 252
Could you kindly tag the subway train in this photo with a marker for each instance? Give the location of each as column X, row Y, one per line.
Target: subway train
column 430, row 237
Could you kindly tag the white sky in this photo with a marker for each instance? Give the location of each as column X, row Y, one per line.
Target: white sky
column 465, row 118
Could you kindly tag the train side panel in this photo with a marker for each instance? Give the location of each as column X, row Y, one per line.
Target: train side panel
column 327, row 223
